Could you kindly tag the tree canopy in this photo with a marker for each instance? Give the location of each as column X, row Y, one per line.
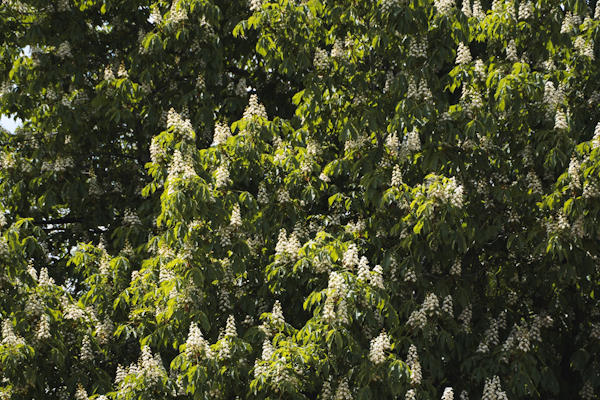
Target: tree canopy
column 300, row 199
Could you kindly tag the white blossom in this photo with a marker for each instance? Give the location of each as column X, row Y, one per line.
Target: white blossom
column 525, row 9
column 376, row 277
column 230, row 329
column 350, row 259
column 412, row 360
column 412, row 142
column 463, row 54
column 511, row 51
column 388, row 6
column 378, row 347
column 86, row 354
column 222, row 176
column 444, row 7
column 255, row 5
column 492, row 390
column 277, row 315
column 236, row 216
column 447, row 306
column 343, row 390
column 560, row 121
column 478, row 10
column 196, row 344
column 466, row 8
column 363, row 269
column 568, row 23
column 448, row 394
column 321, row 60
column 254, row 108
column 64, row 50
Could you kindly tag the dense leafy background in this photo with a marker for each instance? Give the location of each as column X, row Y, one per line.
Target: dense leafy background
column 300, row 199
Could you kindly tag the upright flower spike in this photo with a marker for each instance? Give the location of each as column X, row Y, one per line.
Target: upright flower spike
column 463, row 54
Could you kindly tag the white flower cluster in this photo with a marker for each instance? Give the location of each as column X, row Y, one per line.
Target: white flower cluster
column 222, row 132
column 412, row 142
column 350, row 259
column 180, row 167
column 456, row 267
column 255, row 5
column 525, row 10
column 587, row 391
column 446, row 191
column 321, row 59
column 59, row 165
column 343, row 390
column 236, row 217
column 157, row 153
column 388, row 6
column 410, row 276
column 465, row 318
column 568, row 23
column 411, row 394
column 478, row 10
column 338, row 49
column 591, row 190
column 180, row 125
column 463, row 54
column 552, row 96
column 444, row 7
column 491, row 336
column 418, row 47
column 105, row 330
column 34, row 306
column 595, row 331
column 430, row 306
column 255, row 108
column 447, row 305
column 196, row 345
column 43, row 330
column 377, row 277
column 393, row 144
column 130, row 218
column 222, row 176
column 267, row 354
column 560, row 121
column 9, row 338
column 412, row 360
column 492, row 390
column 86, row 353
column 155, row 16
column 64, row 50
column 421, row 91
column 573, row 171
column 378, row 347
column 287, row 247
column 511, row 51
column 80, row 393
column 177, row 13
column 448, row 394
column 534, row 183
column 277, row 318
column 149, row 367
column 230, row 329
column 596, row 138
column 584, row 47
column 466, row 8
column 336, row 291
column 122, row 71
column 363, row 269
column 396, row 176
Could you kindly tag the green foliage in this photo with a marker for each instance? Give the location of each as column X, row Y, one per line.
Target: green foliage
column 300, row 199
